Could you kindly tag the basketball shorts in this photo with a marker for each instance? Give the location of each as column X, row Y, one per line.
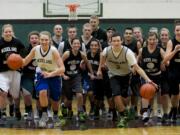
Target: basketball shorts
column 10, row 82
column 71, row 86
column 27, row 85
column 52, row 85
column 120, row 85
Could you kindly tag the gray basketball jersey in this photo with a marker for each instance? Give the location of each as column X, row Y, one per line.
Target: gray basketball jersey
column 45, row 60
column 117, row 65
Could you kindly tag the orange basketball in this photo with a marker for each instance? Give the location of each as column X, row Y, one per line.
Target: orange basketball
column 14, row 61
column 147, row 91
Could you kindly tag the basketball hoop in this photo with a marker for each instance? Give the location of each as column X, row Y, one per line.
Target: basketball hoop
column 72, row 11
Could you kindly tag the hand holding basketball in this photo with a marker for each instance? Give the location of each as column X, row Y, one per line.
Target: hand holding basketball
column 14, row 61
column 147, row 91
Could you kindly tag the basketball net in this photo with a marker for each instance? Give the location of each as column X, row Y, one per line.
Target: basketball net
column 72, row 11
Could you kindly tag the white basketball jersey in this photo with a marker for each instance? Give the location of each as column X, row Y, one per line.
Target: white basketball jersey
column 45, row 60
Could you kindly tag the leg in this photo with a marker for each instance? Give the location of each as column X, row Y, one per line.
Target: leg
column 91, row 100
column 174, row 92
column 43, row 98
column 3, row 98
column 119, row 86
column 135, row 86
column 79, row 97
column 14, row 91
column 11, row 105
column 4, row 87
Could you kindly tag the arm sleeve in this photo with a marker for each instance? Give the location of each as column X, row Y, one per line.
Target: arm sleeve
column 60, row 48
column 104, row 53
column 131, row 58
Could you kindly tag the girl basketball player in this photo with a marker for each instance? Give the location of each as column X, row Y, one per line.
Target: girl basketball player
column 164, row 37
column 95, row 92
column 150, row 58
column 72, row 78
column 173, row 55
column 49, row 67
column 27, row 79
column 9, row 79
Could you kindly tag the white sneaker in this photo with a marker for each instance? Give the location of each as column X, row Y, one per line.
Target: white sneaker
column 56, row 120
column 103, row 112
column 36, row 114
column 25, row 116
column 145, row 116
column 3, row 116
column 43, row 120
column 49, row 112
column 109, row 115
column 159, row 114
column 30, row 116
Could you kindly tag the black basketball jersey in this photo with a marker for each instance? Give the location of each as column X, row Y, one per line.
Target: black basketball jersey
column 72, row 64
column 161, row 46
column 151, row 61
column 175, row 61
column 57, row 44
column 87, row 45
column 67, row 46
column 7, row 48
column 94, row 61
column 132, row 46
column 100, row 34
column 30, row 69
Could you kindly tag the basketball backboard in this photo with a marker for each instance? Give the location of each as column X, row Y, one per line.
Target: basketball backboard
column 58, row 8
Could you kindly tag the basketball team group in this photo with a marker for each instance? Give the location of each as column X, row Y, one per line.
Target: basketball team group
column 97, row 66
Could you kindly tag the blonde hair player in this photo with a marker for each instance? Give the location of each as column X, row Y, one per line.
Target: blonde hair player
column 49, row 69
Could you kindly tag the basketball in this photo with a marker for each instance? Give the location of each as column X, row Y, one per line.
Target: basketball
column 147, row 91
column 14, row 61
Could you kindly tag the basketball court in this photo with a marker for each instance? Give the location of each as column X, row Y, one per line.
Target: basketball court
column 103, row 126
column 73, row 10
column 128, row 131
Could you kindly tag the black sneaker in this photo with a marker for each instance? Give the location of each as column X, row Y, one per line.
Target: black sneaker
column 91, row 112
column 64, row 111
column 11, row 110
column 178, row 113
column 165, row 118
column 170, row 113
column 96, row 114
column 174, row 116
column 115, row 117
column 70, row 114
column 3, row 116
column 18, row 115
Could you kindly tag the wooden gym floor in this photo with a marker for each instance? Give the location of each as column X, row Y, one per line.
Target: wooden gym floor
column 104, row 126
column 114, row 131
